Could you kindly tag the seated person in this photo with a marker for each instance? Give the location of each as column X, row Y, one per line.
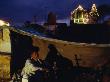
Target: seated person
column 34, row 68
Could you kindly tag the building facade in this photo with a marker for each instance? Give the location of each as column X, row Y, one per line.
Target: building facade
column 82, row 16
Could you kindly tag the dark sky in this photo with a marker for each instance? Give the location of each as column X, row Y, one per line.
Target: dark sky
column 21, row 10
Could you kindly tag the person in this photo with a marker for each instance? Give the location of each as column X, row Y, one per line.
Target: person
column 34, row 68
column 62, row 68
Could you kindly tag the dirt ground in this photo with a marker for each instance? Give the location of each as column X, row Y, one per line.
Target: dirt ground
column 4, row 67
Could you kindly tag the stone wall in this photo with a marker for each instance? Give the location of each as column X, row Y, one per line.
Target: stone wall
column 90, row 55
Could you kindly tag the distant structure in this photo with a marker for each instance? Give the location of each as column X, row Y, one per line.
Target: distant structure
column 51, row 20
column 79, row 16
column 51, row 24
column 52, row 27
column 82, row 16
column 93, row 15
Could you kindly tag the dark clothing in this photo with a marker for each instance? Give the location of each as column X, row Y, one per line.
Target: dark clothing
column 63, row 69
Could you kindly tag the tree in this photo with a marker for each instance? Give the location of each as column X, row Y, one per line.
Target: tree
column 94, row 12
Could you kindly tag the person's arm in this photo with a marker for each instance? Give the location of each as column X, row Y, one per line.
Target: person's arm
column 28, row 68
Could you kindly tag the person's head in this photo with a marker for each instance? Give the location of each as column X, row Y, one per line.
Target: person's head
column 52, row 48
column 34, row 52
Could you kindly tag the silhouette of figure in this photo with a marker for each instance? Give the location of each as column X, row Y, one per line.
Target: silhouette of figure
column 62, row 67
column 20, row 51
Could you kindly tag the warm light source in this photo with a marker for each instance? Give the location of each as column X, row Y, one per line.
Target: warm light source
column 80, row 15
column 2, row 23
column 80, row 7
column 94, row 10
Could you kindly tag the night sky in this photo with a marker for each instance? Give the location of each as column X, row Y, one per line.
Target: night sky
column 21, row 10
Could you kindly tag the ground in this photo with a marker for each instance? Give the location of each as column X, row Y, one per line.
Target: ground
column 4, row 67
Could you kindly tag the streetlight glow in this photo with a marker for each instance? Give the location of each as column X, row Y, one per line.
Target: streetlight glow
column 2, row 23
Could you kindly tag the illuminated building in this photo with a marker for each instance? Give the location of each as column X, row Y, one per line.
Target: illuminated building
column 4, row 37
column 81, row 16
column 3, row 23
column 94, row 11
column 93, row 15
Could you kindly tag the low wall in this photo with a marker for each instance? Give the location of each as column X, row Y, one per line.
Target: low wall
column 90, row 55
